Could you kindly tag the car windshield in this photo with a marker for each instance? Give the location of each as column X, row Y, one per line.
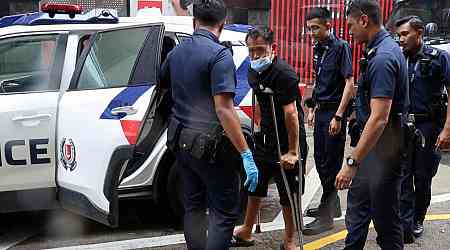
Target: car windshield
column 430, row 11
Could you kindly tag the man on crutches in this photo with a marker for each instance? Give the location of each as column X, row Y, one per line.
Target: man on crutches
column 273, row 79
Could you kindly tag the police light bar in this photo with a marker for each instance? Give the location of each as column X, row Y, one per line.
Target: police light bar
column 57, row 8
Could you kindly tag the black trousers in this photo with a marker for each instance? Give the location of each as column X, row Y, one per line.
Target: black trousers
column 328, row 156
column 419, row 168
column 375, row 192
column 214, row 186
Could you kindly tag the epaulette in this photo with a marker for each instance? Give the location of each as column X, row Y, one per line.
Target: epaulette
column 371, row 53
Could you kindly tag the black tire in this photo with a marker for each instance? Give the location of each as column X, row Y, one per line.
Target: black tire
column 175, row 195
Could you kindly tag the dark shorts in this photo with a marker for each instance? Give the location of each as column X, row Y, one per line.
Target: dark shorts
column 267, row 171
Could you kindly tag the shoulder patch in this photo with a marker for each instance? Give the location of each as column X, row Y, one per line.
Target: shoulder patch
column 432, row 52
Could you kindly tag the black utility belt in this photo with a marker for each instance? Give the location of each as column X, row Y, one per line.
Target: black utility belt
column 420, row 117
column 327, row 105
column 199, row 144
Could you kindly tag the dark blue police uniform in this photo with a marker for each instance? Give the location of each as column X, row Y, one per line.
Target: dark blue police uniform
column 375, row 190
column 427, row 82
column 333, row 64
column 197, row 70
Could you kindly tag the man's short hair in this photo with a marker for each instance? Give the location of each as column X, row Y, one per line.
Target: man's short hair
column 210, row 12
column 415, row 22
column 319, row 12
column 264, row 32
column 371, row 8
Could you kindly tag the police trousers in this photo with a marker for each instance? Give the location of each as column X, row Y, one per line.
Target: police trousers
column 375, row 192
column 328, row 157
column 420, row 165
column 214, row 186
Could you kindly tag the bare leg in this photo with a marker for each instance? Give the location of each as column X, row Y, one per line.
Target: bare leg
column 245, row 231
column 289, row 231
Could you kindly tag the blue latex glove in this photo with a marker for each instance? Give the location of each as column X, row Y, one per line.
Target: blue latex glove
column 250, row 170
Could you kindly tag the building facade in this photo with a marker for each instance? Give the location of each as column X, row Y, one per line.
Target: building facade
column 11, row 7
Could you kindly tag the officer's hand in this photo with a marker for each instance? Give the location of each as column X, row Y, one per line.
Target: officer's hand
column 335, row 127
column 443, row 140
column 288, row 160
column 250, row 170
column 345, row 177
column 311, row 118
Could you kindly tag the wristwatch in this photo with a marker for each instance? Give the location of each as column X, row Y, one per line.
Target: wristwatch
column 352, row 162
column 337, row 118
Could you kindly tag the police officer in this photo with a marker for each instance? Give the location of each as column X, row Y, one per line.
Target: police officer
column 429, row 74
column 201, row 74
column 269, row 71
column 372, row 171
column 331, row 96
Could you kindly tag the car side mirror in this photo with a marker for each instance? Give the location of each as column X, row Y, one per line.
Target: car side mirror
column 5, row 84
column 12, row 83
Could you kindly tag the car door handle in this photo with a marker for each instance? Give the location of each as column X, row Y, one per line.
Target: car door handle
column 32, row 117
column 127, row 110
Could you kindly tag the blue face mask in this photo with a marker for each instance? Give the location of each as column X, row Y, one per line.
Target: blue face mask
column 261, row 64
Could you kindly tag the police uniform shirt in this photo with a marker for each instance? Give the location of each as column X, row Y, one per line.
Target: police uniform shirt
column 283, row 80
column 333, row 64
column 426, row 87
column 197, row 70
column 386, row 74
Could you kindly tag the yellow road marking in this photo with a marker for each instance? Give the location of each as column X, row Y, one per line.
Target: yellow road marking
column 322, row 242
column 317, row 244
column 432, row 217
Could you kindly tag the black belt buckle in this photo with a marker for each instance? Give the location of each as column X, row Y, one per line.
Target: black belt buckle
column 421, row 117
column 327, row 105
column 411, row 118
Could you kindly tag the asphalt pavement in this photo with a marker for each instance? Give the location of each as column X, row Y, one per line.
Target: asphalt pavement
column 143, row 225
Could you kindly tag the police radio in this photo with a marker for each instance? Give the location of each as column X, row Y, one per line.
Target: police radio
column 425, row 66
column 363, row 63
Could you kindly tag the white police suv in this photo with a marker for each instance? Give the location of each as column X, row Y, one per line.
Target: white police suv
column 81, row 125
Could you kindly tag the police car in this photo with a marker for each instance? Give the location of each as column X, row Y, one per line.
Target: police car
column 82, row 125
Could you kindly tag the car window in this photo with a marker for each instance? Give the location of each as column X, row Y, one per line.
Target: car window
column 111, row 59
column 26, row 63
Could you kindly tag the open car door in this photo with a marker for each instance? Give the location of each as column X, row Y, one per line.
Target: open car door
column 100, row 117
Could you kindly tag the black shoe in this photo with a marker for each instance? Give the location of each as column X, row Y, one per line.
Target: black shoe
column 418, row 229
column 318, row 226
column 315, row 212
column 408, row 238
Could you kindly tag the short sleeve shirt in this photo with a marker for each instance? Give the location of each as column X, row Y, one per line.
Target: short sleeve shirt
column 333, row 64
column 197, row 70
column 386, row 75
column 427, row 82
column 283, row 80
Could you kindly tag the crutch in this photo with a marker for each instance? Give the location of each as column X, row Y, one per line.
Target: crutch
column 295, row 202
column 258, row 218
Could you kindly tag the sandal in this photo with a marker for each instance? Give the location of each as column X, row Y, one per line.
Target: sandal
column 237, row 241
